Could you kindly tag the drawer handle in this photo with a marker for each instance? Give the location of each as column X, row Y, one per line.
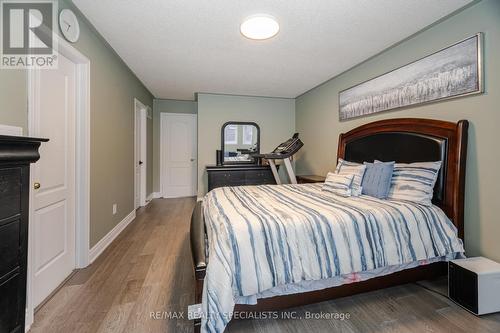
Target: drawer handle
column 36, row 186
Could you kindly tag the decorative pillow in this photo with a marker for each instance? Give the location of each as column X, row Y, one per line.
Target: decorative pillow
column 414, row 182
column 351, row 168
column 377, row 179
column 338, row 184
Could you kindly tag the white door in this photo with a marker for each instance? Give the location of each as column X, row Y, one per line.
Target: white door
column 140, row 153
column 53, row 204
column 178, row 145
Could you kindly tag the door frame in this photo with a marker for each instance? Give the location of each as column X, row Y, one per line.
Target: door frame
column 141, row 113
column 82, row 161
column 163, row 119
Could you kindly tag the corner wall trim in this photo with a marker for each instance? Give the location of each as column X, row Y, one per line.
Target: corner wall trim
column 99, row 248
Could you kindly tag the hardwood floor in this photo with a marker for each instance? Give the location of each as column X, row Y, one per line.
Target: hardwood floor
column 147, row 270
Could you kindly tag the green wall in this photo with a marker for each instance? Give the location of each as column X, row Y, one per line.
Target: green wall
column 275, row 117
column 113, row 88
column 317, row 117
column 167, row 106
column 13, row 98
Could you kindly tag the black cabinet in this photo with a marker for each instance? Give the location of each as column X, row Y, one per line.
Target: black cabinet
column 237, row 175
column 16, row 154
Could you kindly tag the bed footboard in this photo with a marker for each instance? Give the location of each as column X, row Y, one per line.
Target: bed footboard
column 197, row 236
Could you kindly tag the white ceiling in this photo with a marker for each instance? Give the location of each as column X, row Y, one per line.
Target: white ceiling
column 180, row 47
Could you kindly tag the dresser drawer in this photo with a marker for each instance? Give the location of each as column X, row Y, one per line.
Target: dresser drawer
column 11, row 304
column 216, row 179
column 235, row 178
column 220, row 179
column 10, row 192
column 9, row 247
column 219, row 176
column 259, row 177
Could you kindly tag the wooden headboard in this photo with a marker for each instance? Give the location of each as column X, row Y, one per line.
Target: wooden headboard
column 408, row 140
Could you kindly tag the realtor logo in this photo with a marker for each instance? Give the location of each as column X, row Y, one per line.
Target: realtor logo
column 27, row 34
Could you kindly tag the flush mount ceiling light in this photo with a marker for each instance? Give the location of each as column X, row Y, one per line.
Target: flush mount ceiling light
column 260, row 26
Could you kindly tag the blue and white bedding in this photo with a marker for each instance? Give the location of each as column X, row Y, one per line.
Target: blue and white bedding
column 262, row 239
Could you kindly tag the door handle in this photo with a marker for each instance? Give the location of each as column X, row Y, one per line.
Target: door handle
column 36, row 185
column 192, row 160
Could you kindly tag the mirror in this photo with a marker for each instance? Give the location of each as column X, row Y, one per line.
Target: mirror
column 239, row 141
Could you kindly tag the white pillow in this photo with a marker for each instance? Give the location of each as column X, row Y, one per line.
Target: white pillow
column 338, row 184
column 351, row 168
column 414, row 182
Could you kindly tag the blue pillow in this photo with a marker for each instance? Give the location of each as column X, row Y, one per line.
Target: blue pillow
column 377, row 179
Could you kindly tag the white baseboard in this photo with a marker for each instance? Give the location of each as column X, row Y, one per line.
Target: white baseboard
column 97, row 249
column 151, row 196
column 154, row 195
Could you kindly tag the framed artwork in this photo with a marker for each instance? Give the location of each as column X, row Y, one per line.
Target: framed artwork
column 451, row 72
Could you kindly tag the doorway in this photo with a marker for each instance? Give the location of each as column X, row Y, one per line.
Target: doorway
column 53, row 199
column 58, row 109
column 178, row 152
column 140, row 160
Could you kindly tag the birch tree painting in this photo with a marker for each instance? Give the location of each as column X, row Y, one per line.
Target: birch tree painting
column 451, row 72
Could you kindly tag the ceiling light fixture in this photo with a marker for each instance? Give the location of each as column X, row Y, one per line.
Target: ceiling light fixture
column 259, row 27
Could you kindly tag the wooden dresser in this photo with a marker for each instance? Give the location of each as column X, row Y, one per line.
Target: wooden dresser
column 239, row 174
column 16, row 154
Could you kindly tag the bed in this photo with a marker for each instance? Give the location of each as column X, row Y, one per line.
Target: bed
column 243, row 229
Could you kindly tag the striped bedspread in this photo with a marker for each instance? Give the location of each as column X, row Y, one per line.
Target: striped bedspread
column 260, row 237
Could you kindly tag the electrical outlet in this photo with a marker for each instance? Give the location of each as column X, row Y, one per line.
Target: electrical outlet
column 114, row 209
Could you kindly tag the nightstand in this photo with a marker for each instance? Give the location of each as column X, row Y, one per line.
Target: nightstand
column 304, row 179
column 473, row 284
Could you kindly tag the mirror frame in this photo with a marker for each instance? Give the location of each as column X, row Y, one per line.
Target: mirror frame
column 222, row 141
